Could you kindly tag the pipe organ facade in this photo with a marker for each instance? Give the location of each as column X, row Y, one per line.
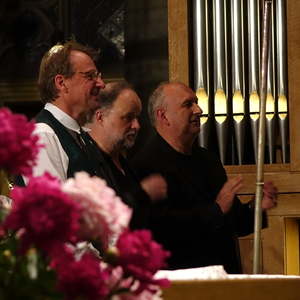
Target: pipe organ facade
column 226, row 63
column 214, row 46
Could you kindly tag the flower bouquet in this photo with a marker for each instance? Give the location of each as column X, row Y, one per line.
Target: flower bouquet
column 69, row 240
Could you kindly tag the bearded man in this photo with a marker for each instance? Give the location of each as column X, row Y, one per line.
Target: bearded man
column 113, row 128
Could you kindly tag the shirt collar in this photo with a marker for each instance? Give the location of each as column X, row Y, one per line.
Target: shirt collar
column 168, row 148
column 62, row 117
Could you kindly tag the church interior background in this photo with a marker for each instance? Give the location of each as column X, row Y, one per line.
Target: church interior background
column 146, row 42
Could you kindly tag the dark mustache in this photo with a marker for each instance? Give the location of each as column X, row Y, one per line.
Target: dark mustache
column 133, row 132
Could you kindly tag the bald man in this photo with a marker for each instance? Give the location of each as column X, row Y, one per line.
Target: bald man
column 201, row 218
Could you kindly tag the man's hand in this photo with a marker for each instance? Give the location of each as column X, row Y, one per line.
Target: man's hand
column 155, row 186
column 228, row 192
column 270, row 196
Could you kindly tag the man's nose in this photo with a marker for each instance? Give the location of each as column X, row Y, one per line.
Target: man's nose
column 100, row 83
column 197, row 109
column 136, row 124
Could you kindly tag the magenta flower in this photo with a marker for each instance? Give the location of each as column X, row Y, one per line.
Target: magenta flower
column 126, row 288
column 18, row 145
column 144, row 295
column 80, row 277
column 104, row 215
column 141, row 257
column 46, row 216
column 2, row 232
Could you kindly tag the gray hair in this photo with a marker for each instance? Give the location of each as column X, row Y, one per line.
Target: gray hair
column 108, row 95
column 156, row 100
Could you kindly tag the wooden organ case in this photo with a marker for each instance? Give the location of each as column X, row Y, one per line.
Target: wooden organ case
column 224, row 75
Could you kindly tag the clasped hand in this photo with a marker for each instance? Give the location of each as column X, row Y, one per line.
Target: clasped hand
column 232, row 187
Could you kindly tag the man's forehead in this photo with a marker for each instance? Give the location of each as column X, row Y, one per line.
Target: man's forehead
column 179, row 91
column 79, row 58
column 127, row 100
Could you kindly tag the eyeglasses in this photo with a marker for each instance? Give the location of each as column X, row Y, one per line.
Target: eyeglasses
column 91, row 75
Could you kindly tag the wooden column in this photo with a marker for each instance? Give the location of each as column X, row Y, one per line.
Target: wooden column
column 178, row 40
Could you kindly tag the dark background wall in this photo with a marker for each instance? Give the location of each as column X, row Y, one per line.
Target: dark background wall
column 131, row 36
column 146, row 59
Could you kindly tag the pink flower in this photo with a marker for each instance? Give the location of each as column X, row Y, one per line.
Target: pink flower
column 18, row 146
column 46, row 215
column 2, row 232
column 125, row 288
column 141, row 257
column 118, row 282
column 115, row 278
column 144, row 295
column 104, row 215
column 81, row 277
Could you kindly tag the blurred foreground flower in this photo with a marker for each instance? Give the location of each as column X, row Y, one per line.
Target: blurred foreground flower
column 47, row 231
column 104, row 215
column 80, row 277
column 46, row 216
column 53, row 217
column 18, row 145
column 141, row 257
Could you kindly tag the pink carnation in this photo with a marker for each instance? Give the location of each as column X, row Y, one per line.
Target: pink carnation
column 144, row 295
column 46, row 215
column 18, row 146
column 126, row 288
column 141, row 257
column 117, row 281
column 2, row 232
column 82, row 277
column 104, row 215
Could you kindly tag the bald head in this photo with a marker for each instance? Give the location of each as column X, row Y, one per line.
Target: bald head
column 162, row 95
column 175, row 114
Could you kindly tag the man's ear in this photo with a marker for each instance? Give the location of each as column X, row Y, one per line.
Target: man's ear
column 161, row 116
column 60, row 84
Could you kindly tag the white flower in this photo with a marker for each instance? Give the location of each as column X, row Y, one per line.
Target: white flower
column 104, row 215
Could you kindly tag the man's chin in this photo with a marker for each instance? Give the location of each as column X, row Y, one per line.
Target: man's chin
column 196, row 129
column 93, row 103
column 129, row 143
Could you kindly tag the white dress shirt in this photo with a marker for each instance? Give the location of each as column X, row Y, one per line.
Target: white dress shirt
column 52, row 157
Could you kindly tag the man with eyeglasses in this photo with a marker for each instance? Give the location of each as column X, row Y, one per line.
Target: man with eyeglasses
column 69, row 84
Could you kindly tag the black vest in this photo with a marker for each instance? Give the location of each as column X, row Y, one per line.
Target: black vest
column 78, row 159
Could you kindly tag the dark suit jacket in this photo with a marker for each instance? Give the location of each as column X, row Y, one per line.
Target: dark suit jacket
column 126, row 186
column 189, row 222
